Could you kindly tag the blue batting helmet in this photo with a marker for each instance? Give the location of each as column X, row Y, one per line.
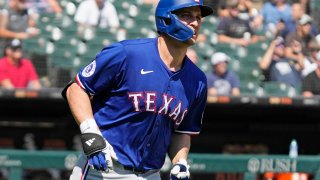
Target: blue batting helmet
column 169, row 23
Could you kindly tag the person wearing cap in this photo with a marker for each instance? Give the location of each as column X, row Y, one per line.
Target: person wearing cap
column 311, row 83
column 297, row 13
column 221, row 80
column 301, row 37
column 17, row 71
column 277, row 67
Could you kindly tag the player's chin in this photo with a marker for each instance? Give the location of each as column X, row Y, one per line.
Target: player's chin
column 191, row 41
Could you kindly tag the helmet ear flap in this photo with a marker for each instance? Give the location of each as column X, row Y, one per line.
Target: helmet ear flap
column 173, row 27
column 178, row 30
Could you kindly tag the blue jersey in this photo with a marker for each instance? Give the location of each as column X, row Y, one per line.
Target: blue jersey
column 138, row 102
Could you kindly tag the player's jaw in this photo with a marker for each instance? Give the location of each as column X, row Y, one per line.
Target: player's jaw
column 194, row 37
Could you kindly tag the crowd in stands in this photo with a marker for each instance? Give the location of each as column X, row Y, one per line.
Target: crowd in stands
column 266, row 47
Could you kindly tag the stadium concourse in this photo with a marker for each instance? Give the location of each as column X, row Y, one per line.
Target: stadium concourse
column 262, row 120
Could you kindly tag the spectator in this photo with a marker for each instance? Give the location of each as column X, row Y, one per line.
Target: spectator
column 234, row 30
column 16, row 71
column 311, row 83
column 221, row 80
column 44, row 6
column 16, row 22
column 222, row 10
column 297, row 53
column 247, row 10
column 213, row 4
column 313, row 47
column 96, row 13
column 291, row 25
column 306, row 5
column 310, row 59
column 274, row 11
column 277, row 67
column 296, row 42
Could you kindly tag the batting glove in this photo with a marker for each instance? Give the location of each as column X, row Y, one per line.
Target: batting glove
column 180, row 170
column 95, row 146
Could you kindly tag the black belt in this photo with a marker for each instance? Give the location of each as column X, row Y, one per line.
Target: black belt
column 134, row 170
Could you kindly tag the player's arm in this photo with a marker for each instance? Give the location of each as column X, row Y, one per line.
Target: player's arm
column 79, row 103
column 179, row 147
column 178, row 153
column 81, row 109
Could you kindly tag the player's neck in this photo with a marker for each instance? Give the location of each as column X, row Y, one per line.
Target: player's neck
column 171, row 52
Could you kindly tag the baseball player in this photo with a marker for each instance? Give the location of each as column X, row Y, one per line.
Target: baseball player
column 141, row 99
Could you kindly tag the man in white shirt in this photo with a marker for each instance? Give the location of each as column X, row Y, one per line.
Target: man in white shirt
column 96, row 13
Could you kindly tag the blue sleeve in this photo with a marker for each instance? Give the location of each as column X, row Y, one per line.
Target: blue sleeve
column 100, row 74
column 193, row 121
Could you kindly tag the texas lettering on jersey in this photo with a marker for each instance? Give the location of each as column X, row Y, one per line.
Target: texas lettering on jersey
column 149, row 99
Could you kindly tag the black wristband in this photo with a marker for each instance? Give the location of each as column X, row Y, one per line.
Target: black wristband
column 92, row 143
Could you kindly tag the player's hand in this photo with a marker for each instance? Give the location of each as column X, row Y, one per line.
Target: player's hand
column 180, row 170
column 100, row 161
column 97, row 150
column 95, row 146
